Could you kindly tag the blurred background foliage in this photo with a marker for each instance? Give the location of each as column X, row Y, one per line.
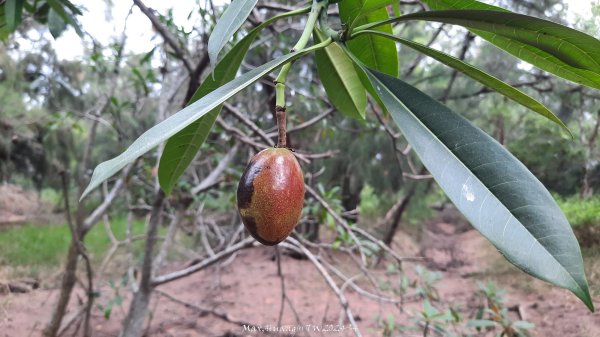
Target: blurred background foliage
column 51, row 106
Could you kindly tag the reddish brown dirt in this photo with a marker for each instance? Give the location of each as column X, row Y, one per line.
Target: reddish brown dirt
column 248, row 290
column 18, row 206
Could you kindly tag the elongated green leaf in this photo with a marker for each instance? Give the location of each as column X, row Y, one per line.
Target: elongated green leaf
column 231, row 20
column 181, row 149
column 374, row 51
column 497, row 193
column 364, row 79
column 13, row 11
column 67, row 17
column 557, row 49
column 56, row 25
column 482, row 77
column 365, row 7
column 4, row 32
column 461, row 4
column 177, row 122
column 340, row 80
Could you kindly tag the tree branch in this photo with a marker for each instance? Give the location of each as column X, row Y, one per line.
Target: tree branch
column 330, row 282
column 166, row 35
column 202, row 264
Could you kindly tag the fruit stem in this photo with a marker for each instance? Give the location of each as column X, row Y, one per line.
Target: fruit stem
column 281, row 126
column 315, row 10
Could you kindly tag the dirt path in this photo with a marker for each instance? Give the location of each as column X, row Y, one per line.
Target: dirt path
column 247, row 290
column 18, row 206
column 465, row 258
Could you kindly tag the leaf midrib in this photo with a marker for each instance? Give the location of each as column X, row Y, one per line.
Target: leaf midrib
column 339, row 76
column 473, row 174
column 504, row 26
column 190, row 148
column 536, row 54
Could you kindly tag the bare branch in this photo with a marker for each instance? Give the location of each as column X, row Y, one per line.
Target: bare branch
column 239, row 115
column 330, row 282
column 219, row 314
column 202, row 264
column 306, row 124
column 339, row 220
column 213, row 178
column 132, row 327
column 166, row 35
column 93, row 218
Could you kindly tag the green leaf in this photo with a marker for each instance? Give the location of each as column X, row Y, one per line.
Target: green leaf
column 555, row 48
column 231, row 20
column 364, row 79
column 181, row 148
column 482, row 77
column 461, row 4
column 495, row 191
column 481, row 323
column 361, row 8
column 340, row 80
column 4, row 32
column 13, row 11
column 56, row 24
column 374, row 51
column 68, row 18
column 523, row 325
column 177, row 122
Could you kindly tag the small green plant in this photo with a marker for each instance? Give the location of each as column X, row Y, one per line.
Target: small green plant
column 438, row 317
column 494, row 316
column 581, row 212
column 115, row 298
column 432, row 319
column 425, row 283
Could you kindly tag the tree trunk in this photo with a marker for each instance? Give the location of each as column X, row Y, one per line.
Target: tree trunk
column 134, row 322
column 68, row 282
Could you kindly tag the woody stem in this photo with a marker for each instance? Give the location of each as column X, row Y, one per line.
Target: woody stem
column 281, row 126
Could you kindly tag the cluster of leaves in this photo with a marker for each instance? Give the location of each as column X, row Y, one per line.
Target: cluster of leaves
column 495, row 314
column 437, row 317
column 498, row 195
column 57, row 14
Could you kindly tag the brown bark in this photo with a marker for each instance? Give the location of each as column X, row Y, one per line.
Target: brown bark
column 134, row 322
column 67, row 284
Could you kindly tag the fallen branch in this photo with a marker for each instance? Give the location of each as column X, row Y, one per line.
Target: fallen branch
column 213, row 178
column 202, row 264
column 203, row 311
column 339, row 220
column 330, row 282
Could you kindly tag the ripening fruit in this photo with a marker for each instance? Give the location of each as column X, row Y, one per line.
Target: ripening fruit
column 270, row 195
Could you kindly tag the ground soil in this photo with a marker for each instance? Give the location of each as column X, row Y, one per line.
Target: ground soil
column 18, row 206
column 218, row 301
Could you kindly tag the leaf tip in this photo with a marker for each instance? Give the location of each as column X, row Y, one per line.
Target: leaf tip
column 586, row 298
column 165, row 183
column 87, row 190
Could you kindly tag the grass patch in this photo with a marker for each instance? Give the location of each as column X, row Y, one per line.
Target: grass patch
column 37, row 247
column 581, row 212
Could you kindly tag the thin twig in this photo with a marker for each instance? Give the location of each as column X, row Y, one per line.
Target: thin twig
column 75, row 233
column 280, row 274
column 330, row 282
column 202, row 264
column 239, row 115
column 306, row 124
column 166, row 35
column 339, row 220
column 219, row 314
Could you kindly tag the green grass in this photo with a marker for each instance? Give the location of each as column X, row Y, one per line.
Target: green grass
column 581, row 212
column 43, row 247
